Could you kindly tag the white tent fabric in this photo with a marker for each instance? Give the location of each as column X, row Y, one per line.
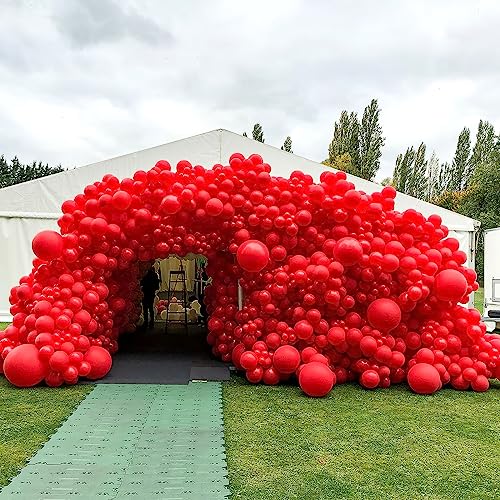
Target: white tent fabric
column 27, row 208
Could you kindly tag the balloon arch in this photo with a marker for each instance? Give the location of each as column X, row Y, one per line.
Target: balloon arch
column 338, row 286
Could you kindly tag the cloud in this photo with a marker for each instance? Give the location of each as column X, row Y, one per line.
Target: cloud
column 82, row 81
column 92, row 22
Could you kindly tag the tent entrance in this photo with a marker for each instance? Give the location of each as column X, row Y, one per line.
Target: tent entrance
column 155, row 357
column 179, row 353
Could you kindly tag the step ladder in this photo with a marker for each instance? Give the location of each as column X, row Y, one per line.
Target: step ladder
column 176, row 284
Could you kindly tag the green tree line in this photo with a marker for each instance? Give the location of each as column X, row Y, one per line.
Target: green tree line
column 14, row 172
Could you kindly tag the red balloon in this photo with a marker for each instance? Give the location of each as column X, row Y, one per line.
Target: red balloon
column 303, row 329
column 336, row 335
column 48, row 245
column 252, row 256
column 480, row 384
column 270, row 376
column 170, row 204
column 23, row 366
column 450, row 285
column 423, row 378
column 214, row 207
column 255, row 376
column 84, row 368
column 286, row 359
column 368, row 346
column 249, row 361
column 369, row 379
column 121, row 200
column 316, row 379
column 59, row 361
column 100, row 362
column 384, row 314
column 348, row 251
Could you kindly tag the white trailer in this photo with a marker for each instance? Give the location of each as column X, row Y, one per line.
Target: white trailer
column 491, row 305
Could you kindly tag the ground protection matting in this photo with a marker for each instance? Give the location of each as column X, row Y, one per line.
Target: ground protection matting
column 133, row 441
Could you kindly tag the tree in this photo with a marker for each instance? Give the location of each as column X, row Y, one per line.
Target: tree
column 460, row 167
column 410, row 173
column 341, row 162
column 435, row 177
column 16, row 172
column 257, row 133
column 361, row 141
column 287, row 145
column 345, row 140
column 370, row 141
column 402, row 170
column 484, row 147
column 480, row 201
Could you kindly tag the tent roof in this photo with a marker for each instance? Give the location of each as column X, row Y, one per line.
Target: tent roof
column 45, row 195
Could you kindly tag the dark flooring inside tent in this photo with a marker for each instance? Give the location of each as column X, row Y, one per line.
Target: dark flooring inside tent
column 158, row 357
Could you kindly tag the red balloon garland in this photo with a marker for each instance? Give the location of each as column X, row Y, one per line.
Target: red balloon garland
column 337, row 285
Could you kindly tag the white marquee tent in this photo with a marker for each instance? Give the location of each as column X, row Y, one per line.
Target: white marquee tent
column 26, row 209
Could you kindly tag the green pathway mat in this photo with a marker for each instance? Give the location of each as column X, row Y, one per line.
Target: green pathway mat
column 129, row 441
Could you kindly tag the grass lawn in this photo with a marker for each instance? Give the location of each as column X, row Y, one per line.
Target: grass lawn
column 3, row 326
column 27, row 419
column 479, row 299
column 361, row 444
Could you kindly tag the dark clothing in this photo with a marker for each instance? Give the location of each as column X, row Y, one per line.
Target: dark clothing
column 149, row 284
column 147, row 307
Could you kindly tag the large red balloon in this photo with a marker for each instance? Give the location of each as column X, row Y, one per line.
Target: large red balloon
column 316, row 379
column 424, row 379
column 450, row 285
column 48, row 245
column 100, row 362
column 253, row 256
column 23, row 366
column 384, row 314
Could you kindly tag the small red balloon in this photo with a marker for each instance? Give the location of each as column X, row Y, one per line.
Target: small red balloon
column 286, row 359
column 348, row 251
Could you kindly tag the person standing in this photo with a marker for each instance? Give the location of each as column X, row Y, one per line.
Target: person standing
column 149, row 284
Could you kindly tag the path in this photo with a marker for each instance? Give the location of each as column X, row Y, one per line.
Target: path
column 129, row 441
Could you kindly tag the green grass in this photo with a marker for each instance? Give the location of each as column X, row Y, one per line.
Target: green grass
column 3, row 326
column 389, row 444
column 479, row 299
column 27, row 419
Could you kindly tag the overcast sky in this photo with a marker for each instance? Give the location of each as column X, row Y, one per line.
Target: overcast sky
column 82, row 81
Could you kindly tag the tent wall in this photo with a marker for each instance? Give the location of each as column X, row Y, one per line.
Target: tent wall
column 16, row 256
column 26, row 209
